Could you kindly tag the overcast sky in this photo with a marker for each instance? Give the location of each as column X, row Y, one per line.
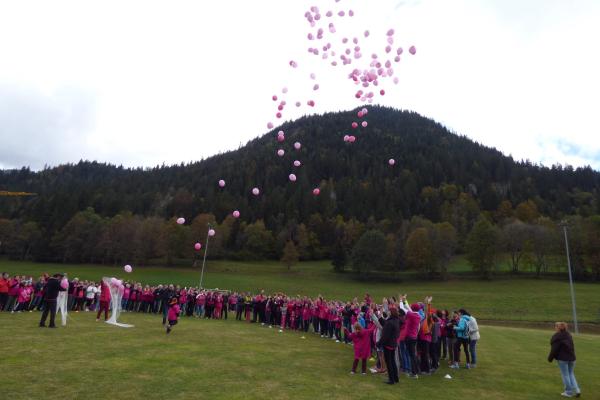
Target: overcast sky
column 142, row 83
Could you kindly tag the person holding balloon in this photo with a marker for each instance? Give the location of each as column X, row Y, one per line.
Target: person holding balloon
column 51, row 290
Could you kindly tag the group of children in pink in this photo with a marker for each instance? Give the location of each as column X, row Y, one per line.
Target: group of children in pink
column 405, row 338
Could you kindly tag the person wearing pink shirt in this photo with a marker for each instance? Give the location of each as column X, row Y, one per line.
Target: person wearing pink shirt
column 306, row 315
column 4, row 286
column 361, row 338
column 182, row 300
column 413, row 322
column 218, row 306
column 13, row 293
column 200, row 300
column 125, row 298
column 23, row 297
column 173, row 314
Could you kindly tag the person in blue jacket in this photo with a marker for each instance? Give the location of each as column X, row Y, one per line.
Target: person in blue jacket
column 462, row 338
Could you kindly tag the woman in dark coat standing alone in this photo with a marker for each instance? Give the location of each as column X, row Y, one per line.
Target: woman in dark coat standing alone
column 563, row 351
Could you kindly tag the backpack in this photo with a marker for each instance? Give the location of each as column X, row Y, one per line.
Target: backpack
column 472, row 330
column 468, row 328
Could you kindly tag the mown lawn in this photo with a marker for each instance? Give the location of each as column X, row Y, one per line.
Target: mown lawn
column 236, row 360
column 517, row 299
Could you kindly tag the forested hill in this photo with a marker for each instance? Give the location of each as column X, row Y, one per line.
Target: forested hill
column 355, row 178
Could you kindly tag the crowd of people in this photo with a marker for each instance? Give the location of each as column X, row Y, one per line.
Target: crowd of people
column 411, row 338
column 421, row 336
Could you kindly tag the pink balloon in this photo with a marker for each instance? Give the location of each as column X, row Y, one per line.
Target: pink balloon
column 297, row 163
column 121, row 289
column 270, row 125
column 119, row 282
column 412, row 50
column 351, row 13
column 221, row 183
column 391, row 161
column 278, row 115
column 64, row 283
column 298, row 104
column 236, row 214
column 284, row 90
column 255, row 191
column 292, row 177
column 311, row 103
column 274, row 98
column 364, row 124
column 316, row 87
column 113, row 281
column 352, row 139
column 316, row 191
column 211, row 232
column 396, row 80
column 382, row 92
column 390, row 32
column 180, row 221
column 128, row 268
column 297, row 145
column 198, row 246
column 346, row 138
column 354, row 125
column 293, row 64
column 280, row 152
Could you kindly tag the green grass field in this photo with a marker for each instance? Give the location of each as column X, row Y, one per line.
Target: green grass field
column 236, row 360
column 502, row 299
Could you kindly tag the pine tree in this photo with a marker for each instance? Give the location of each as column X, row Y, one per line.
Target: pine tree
column 339, row 256
column 290, row 255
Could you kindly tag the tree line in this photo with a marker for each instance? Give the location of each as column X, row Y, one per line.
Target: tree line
column 527, row 243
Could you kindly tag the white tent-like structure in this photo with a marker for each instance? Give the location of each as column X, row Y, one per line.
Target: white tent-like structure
column 61, row 305
column 115, row 303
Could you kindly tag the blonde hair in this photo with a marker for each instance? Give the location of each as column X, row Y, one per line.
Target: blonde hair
column 561, row 326
column 358, row 327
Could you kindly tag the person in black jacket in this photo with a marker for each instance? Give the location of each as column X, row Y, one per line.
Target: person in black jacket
column 563, row 351
column 389, row 341
column 50, row 294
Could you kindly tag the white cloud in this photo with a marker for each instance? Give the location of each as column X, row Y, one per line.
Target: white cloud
column 170, row 82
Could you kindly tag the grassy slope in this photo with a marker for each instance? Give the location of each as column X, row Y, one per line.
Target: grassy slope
column 502, row 299
column 236, row 360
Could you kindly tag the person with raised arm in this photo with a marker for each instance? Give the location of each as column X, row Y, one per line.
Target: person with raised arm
column 413, row 321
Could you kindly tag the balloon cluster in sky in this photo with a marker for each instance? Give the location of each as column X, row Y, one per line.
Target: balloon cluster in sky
column 348, row 54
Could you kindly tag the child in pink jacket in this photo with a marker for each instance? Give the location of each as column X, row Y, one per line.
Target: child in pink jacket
column 361, row 338
column 24, row 297
column 173, row 314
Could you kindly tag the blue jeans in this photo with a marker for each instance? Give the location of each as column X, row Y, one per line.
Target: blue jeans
column 404, row 357
column 568, row 376
column 473, row 351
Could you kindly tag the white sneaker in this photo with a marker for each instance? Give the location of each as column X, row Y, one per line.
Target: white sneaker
column 352, row 372
column 565, row 394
